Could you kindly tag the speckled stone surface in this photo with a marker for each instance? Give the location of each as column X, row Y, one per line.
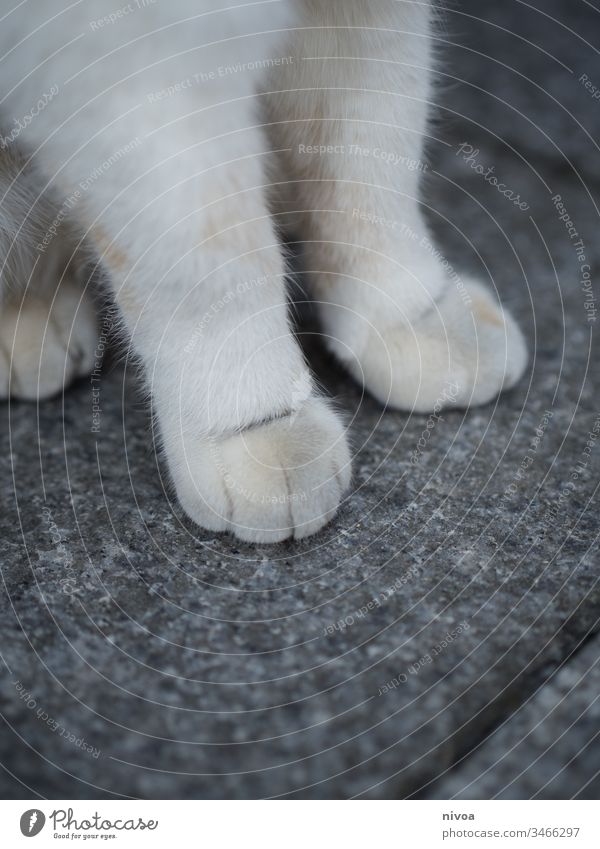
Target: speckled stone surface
column 144, row 657
column 547, row 748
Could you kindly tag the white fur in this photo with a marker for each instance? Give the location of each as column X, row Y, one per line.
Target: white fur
column 164, row 164
column 281, row 479
column 49, row 344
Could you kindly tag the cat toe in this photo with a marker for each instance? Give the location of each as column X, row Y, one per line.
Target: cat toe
column 45, row 346
column 462, row 352
column 280, row 480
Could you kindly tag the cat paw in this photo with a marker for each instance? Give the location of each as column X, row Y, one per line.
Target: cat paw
column 462, row 352
column 266, row 484
column 44, row 347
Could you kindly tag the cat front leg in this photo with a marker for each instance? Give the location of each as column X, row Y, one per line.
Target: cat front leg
column 198, row 272
column 147, row 134
column 350, row 115
column 173, row 205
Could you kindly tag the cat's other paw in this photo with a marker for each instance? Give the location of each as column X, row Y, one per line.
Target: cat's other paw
column 462, row 352
column 275, row 481
column 44, row 346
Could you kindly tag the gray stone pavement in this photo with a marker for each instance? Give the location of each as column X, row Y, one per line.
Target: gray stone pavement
column 144, row 657
column 546, row 749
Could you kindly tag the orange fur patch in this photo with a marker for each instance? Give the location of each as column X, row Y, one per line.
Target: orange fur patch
column 486, row 312
column 115, row 258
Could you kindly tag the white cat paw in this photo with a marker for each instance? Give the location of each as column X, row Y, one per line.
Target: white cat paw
column 462, row 352
column 42, row 347
column 266, row 484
